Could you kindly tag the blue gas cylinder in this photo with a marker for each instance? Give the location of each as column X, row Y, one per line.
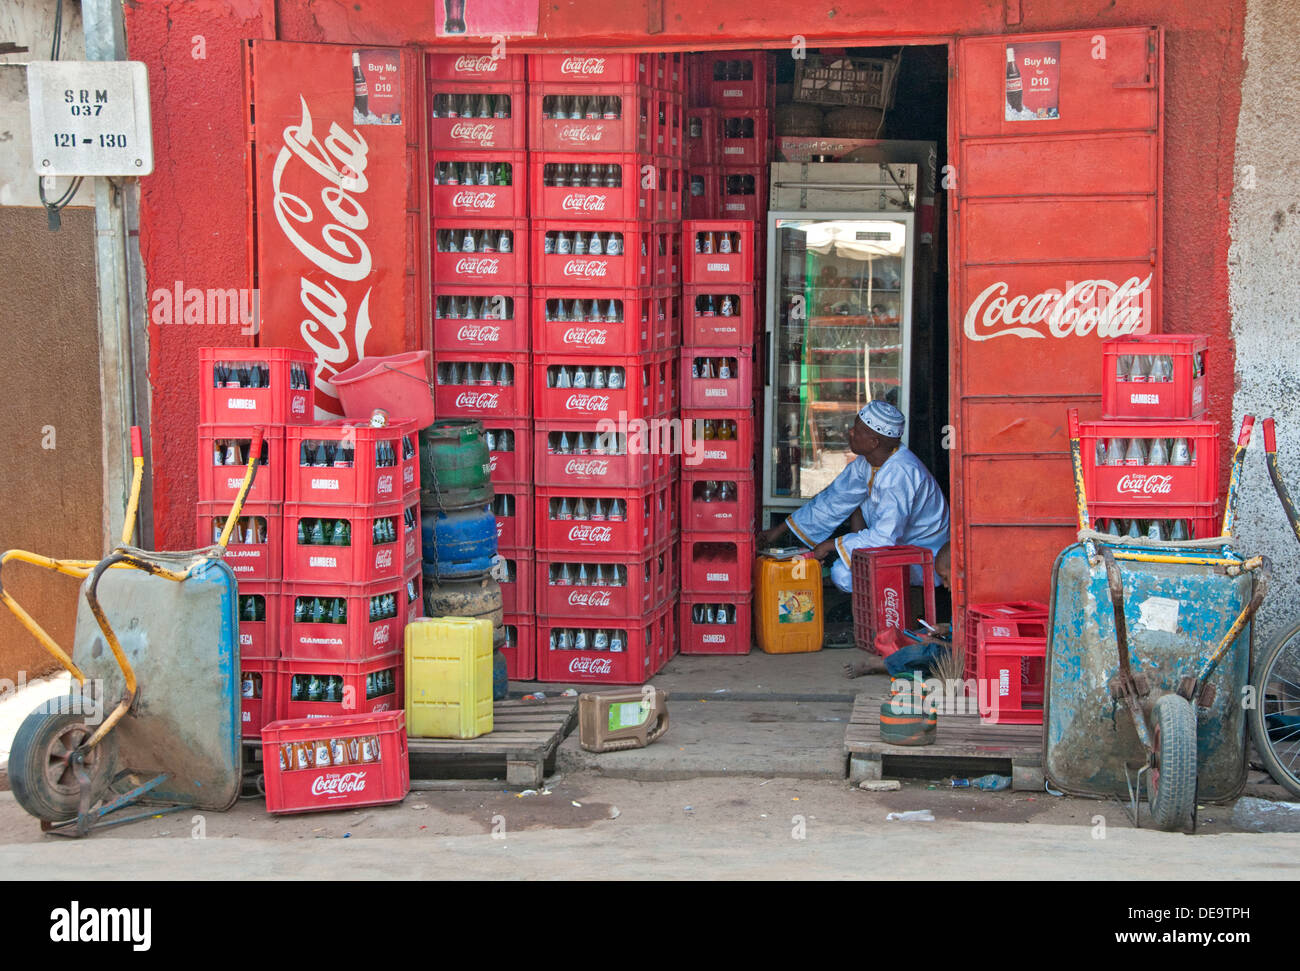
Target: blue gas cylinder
column 458, row 542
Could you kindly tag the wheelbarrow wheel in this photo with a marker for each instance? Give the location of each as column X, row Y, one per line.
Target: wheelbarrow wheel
column 41, row 774
column 1171, row 785
column 1275, row 719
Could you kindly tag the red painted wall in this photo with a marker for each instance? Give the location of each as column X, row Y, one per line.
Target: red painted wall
column 194, row 208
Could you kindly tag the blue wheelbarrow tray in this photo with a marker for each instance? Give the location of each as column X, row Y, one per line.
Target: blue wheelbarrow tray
column 1176, row 615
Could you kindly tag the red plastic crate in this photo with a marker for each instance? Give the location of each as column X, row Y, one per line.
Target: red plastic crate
column 1180, row 392
column 363, row 561
column 630, row 330
column 1011, row 659
column 702, row 511
column 379, row 774
column 631, row 131
column 672, row 71
column 702, row 137
column 698, row 636
column 706, row 269
column 716, row 567
column 520, row 647
column 744, row 136
column 753, row 90
column 414, row 593
column 499, row 322
column 589, row 68
column 707, row 325
column 479, row 66
column 257, row 687
column 666, row 254
column 512, row 465
column 410, row 465
column 641, row 639
column 221, row 483
column 476, row 134
column 632, row 267
column 630, row 199
column 707, row 393
column 470, row 399
column 641, row 587
column 284, row 399
column 742, row 191
column 570, row 454
column 259, row 635
column 468, row 197
column 701, row 196
column 1010, row 612
column 667, row 114
column 480, row 269
column 734, row 454
column 518, row 594
column 513, row 508
column 882, row 586
column 342, row 687
column 644, row 523
column 359, row 637
column 1201, row 519
column 646, row 380
column 1160, row 485
column 343, row 480
column 249, row 561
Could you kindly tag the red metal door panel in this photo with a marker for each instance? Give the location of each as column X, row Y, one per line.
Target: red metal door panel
column 337, row 247
column 1056, row 247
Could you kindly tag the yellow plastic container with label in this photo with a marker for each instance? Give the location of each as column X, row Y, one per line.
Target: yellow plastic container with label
column 788, row 605
column 449, row 677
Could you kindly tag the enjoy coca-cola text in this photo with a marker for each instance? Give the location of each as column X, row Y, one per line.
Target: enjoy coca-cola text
column 1112, row 310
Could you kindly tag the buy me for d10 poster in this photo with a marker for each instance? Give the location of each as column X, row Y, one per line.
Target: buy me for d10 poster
column 1033, row 81
column 377, row 91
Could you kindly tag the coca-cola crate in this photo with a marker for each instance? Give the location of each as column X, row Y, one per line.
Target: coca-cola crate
column 600, row 586
column 347, row 760
column 708, row 626
column 573, row 454
column 1194, row 520
column 517, row 586
column 510, row 452
column 478, row 319
column 666, row 253
column 598, row 187
column 742, row 191
column 255, row 385
column 614, row 321
column 630, row 267
column 718, row 251
column 223, row 458
column 490, row 268
column 360, row 620
column 718, row 315
column 605, row 69
column 672, row 71
column 1171, row 369
column 704, row 451
column 745, row 137
column 716, row 567
column 513, row 508
column 882, row 583
column 410, row 465
column 486, row 66
column 257, row 700
column 668, row 114
column 467, row 185
column 643, row 390
column 702, row 136
column 340, row 688
column 1193, row 444
column 260, row 627
column 460, row 389
column 716, row 502
column 375, row 549
column 703, row 387
column 747, row 84
column 414, row 587
column 346, row 462
column 1008, row 614
column 520, row 647
column 253, row 552
column 455, row 123
column 642, row 518
column 623, row 123
column 559, row 660
column 668, row 319
column 701, row 200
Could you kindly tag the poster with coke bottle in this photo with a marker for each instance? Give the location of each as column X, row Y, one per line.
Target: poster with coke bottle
column 480, row 18
column 377, row 88
column 1033, row 81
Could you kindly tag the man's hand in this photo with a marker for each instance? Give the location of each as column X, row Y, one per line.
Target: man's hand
column 857, row 521
column 823, row 549
column 769, row 537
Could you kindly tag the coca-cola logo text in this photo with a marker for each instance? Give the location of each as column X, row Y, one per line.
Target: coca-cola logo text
column 476, row 64
column 383, row 558
column 586, row 533
column 589, row 598
column 385, row 483
column 582, row 65
column 587, row 402
column 480, row 400
column 586, row 268
column 469, row 131
column 478, row 266
column 591, row 665
column 479, row 333
column 583, row 202
column 891, row 607
column 338, row 783
column 585, row 336
column 586, row 467
column 1112, row 310
column 467, row 199
column 1143, row 484
column 580, row 134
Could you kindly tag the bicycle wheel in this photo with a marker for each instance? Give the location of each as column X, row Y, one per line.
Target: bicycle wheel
column 1275, row 719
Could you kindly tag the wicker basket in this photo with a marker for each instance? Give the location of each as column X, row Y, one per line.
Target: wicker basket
column 865, row 82
column 798, row 120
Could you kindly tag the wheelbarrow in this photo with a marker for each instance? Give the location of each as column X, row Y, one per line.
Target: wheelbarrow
column 157, row 646
column 1149, row 652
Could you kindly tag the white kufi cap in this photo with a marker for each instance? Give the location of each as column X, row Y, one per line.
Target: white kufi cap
column 883, row 418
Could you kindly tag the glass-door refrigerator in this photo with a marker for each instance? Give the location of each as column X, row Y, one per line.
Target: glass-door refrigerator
column 839, row 312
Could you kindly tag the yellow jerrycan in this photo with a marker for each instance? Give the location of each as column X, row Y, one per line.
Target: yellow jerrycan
column 788, row 602
column 449, row 677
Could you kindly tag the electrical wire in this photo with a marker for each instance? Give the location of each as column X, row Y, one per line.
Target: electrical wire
column 52, row 209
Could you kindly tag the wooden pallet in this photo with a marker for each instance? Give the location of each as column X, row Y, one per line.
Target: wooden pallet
column 521, row 745
column 963, row 747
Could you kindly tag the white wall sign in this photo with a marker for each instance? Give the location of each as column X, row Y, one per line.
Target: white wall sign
column 90, row 118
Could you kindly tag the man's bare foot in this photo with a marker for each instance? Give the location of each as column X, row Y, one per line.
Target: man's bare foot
column 867, row 664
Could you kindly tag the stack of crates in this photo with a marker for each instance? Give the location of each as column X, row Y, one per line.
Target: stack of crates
column 717, row 483
column 729, row 135
column 481, row 330
column 605, row 140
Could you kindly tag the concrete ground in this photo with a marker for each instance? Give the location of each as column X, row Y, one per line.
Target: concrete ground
column 749, row 782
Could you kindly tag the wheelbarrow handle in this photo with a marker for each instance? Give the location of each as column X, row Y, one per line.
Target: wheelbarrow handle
column 1270, row 437
column 1247, row 427
column 137, row 443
